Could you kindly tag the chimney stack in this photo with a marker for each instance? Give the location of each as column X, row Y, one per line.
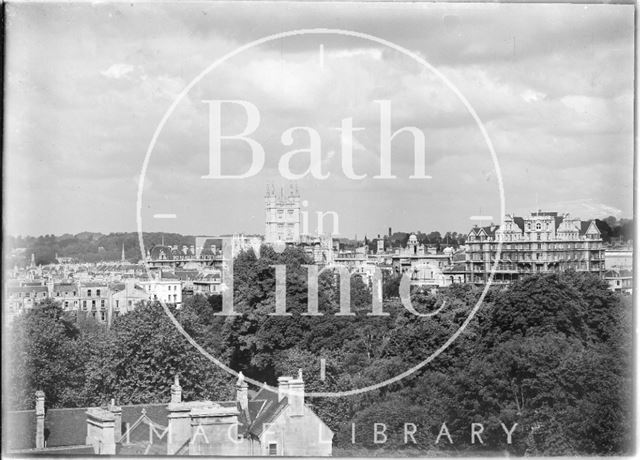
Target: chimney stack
column 296, row 395
column 117, row 415
column 101, row 431
column 242, row 392
column 176, row 391
column 39, row 419
column 283, row 387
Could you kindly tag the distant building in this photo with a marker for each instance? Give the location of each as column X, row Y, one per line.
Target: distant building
column 540, row 243
column 126, row 296
column 618, row 259
column 94, row 299
column 168, row 290
column 20, row 298
column 619, row 280
column 282, row 216
column 209, row 283
column 66, row 293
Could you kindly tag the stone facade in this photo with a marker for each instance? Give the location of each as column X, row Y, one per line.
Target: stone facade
column 542, row 242
column 282, row 216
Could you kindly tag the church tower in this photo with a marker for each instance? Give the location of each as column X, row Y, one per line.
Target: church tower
column 282, row 215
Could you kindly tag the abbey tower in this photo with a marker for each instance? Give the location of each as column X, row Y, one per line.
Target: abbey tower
column 282, row 215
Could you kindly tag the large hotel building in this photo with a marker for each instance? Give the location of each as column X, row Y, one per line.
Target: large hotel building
column 541, row 242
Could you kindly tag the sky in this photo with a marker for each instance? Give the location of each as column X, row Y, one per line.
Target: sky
column 87, row 86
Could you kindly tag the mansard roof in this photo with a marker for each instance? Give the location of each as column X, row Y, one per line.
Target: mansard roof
column 519, row 221
column 206, row 246
column 558, row 221
column 156, row 250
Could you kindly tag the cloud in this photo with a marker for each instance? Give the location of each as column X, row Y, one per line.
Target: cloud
column 117, row 71
column 553, row 85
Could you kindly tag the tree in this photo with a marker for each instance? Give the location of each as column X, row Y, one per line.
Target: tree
column 44, row 356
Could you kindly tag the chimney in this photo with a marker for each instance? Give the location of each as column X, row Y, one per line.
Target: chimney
column 176, row 391
column 389, row 231
column 242, row 392
column 39, row 419
column 100, row 431
column 117, row 415
column 283, row 387
column 214, row 431
column 296, row 395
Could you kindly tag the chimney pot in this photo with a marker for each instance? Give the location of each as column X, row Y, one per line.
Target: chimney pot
column 176, row 391
column 283, row 387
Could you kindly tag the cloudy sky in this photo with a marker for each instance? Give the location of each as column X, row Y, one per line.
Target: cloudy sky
column 87, row 86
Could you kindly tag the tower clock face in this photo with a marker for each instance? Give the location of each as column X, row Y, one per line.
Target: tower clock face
column 310, row 134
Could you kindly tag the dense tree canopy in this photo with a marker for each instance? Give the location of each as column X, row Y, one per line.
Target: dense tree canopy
column 550, row 353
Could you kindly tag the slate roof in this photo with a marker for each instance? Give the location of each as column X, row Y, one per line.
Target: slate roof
column 558, row 220
column 618, row 274
column 584, row 226
column 16, row 289
column 267, row 415
column 459, row 267
column 155, row 252
column 186, row 275
column 22, row 434
column 92, row 284
column 206, row 246
column 67, row 427
column 490, row 230
column 519, row 221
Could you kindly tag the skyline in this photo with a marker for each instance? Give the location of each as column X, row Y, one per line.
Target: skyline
column 78, row 127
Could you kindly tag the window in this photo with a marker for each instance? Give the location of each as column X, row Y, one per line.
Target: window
column 273, row 449
column 88, row 292
column 97, row 292
column 538, row 226
column 102, row 316
column 102, row 303
column 84, row 304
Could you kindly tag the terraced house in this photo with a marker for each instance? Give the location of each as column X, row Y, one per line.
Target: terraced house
column 542, row 242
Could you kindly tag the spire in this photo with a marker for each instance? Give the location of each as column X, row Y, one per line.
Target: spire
column 163, row 240
column 123, row 258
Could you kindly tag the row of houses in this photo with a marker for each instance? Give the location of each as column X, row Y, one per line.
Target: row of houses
column 98, row 299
